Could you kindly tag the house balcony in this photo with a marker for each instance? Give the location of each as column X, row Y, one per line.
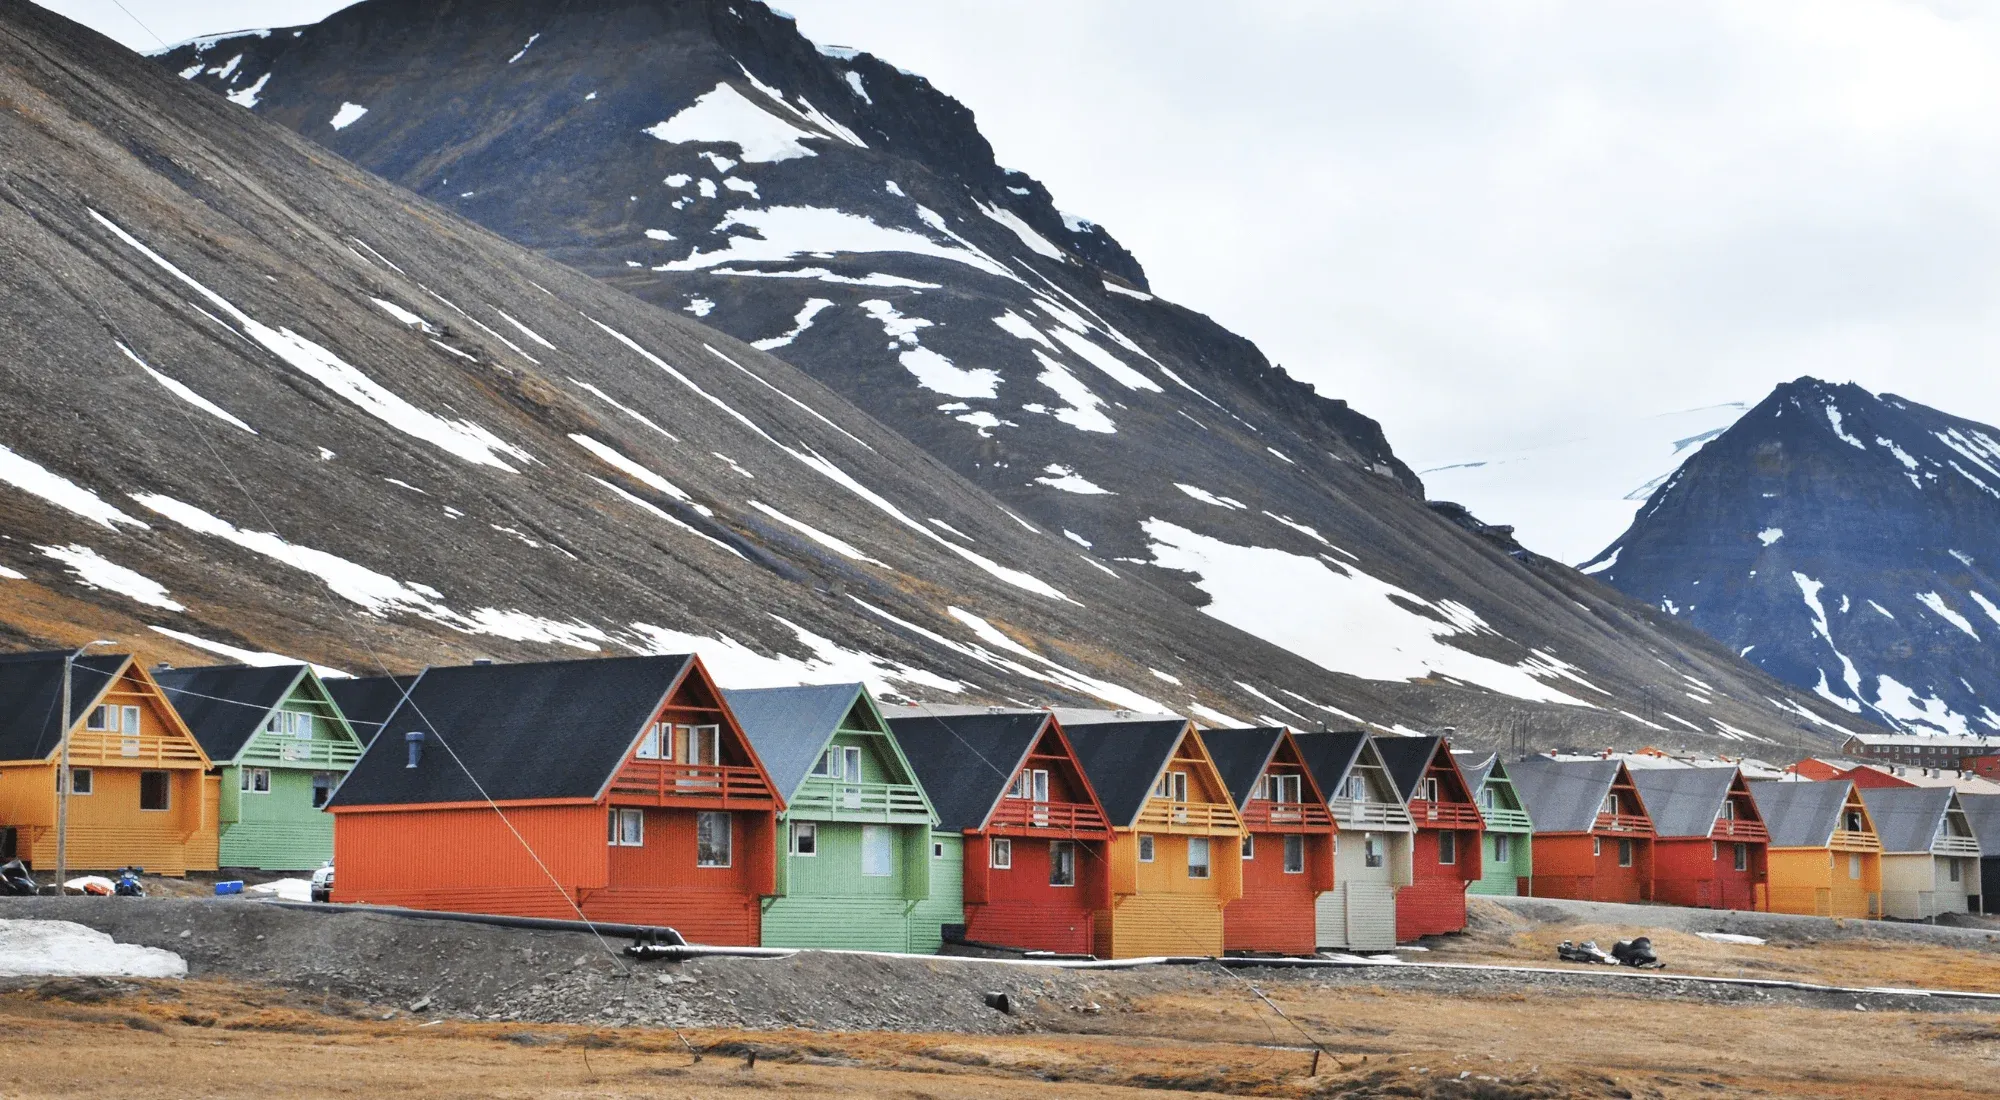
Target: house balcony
column 1445, row 815
column 705, row 786
column 1162, row 816
column 1502, row 820
column 1638, row 824
column 1846, row 841
column 1264, row 814
column 1739, row 829
column 838, row 801
column 1028, row 818
column 303, row 754
column 1955, row 846
column 1369, row 815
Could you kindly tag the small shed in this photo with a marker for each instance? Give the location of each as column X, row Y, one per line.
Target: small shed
column 1372, row 841
column 1593, row 837
column 1287, row 842
column 1711, row 848
column 1508, row 854
column 1446, row 848
column 280, row 747
column 1930, row 857
column 1825, row 857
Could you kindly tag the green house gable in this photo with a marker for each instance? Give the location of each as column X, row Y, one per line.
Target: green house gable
column 1508, row 856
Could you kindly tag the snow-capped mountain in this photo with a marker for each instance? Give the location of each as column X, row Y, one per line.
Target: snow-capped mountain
column 1846, row 543
column 1569, row 494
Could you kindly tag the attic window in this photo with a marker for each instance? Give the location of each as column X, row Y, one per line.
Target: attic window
column 1030, row 783
column 1172, row 786
column 658, row 734
column 1357, row 788
column 1486, row 798
column 1284, row 788
column 841, row 762
column 1610, row 804
column 1427, row 790
column 1853, row 821
column 114, row 719
column 292, row 723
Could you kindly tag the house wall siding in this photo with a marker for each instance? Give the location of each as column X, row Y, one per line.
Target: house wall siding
column 1502, row 878
column 108, row 830
column 1701, row 874
column 466, row 859
column 1434, row 901
column 1818, row 882
column 276, row 831
column 946, row 903
column 829, row 903
column 1919, row 887
column 1565, row 867
column 1276, row 912
column 1021, row 910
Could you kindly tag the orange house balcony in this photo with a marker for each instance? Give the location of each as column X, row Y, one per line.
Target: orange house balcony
column 1025, row 817
column 1264, row 814
column 706, row 786
column 1446, row 815
column 1199, row 818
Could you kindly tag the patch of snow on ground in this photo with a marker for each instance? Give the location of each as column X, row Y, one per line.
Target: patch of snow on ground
column 1905, row 708
column 248, row 97
column 675, row 373
column 1944, row 611
column 180, row 389
column 1215, row 717
column 1167, row 676
column 284, row 889
column 1127, row 291
column 1731, row 937
column 612, row 457
column 1833, row 417
column 1083, row 409
column 348, row 115
column 1076, row 538
column 1770, row 535
column 860, row 89
column 725, row 116
column 32, row 478
column 669, row 518
column 786, row 232
column 738, row 665
column 1019, row 327
column 802, row 406
column 744, row 186
column 1986, row 605
column 63, row 949
column 1207, row 497
column 402, row 315
column 1035, row 241
column 932, row 371
column 700, row 307
column 1353, row 624
column 1057, row 476
column 525, row 49
column 242, row 656
column 1042, row 668
column 94, row 571
column 801, row 322
column 837, row 545
column 1103, row 360
column 626, row 409
column 525, row 330
column 1851, row 676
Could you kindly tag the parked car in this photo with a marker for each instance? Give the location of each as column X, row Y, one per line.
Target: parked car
column 322, row 883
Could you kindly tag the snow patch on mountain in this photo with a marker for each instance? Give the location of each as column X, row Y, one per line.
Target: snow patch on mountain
column 93, row 570
column 724, row 116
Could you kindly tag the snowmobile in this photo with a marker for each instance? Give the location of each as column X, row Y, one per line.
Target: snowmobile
column 1586, row 952
column 128, row 884
column 16, row 882
column 1637, row 953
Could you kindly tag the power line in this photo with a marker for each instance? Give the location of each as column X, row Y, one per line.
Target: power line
column 142, row 25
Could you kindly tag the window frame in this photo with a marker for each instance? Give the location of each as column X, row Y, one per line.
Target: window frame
column 332, row 782
column 1502, row 847
column 250, row 777
column 1000, row 853
column 1207, row 864
column 1628, row 853
column 165, row 779
column 1427, row 789
column 850, row 763
column 620, row 837
column 1066, row 861
column 805, row 839
column 93, row 723
column 1149, row 848
column 89, row 782
column 696, row 738
column 1742, row 857
column 887, row 845
column 728, row 820
column 1447, row 848
column 649, row 742
column 1373, row 854
column 1249, row 847
column 1295, row 854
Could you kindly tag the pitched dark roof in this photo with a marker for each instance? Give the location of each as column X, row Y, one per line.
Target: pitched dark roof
column 789, row 726
column 367, row 701
column 31, row 692
column 1123, row 759
column 1800, row 815
column 1476, row 767
column 1241, row 756
column 1406, row 759
column 225, row 705
column 1329, row 756
column 1562, row 796
column 964, row 761
column 550, row 729
column 1906, row 818
column 1683, row 802
column 1982, row 812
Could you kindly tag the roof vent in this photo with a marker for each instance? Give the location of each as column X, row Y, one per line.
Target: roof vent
column 415, row 740
column 482, row 660
column 163, row 667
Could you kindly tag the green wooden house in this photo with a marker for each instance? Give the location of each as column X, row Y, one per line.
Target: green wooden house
column 1509, row 856
column 280, row 745
column 861, row 864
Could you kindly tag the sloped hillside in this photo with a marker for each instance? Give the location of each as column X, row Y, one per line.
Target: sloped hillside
column 1844, row 542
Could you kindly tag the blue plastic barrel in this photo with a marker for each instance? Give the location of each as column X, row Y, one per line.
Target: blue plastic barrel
column 232, row 887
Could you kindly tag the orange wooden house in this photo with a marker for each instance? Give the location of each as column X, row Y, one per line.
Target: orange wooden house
column 635, row 796
column 1448, row 849
column 1825, row 857
column 1710, row 848
column 1287, row 840
column 1176, row 858
column 1593, row 837
column 140, row 792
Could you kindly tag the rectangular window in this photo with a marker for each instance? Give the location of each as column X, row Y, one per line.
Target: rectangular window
column 1743, row 857
column 1427, row 790
column 1610, row 804
column 1728, row 809
column 256, row 780
column 129, row 721
column 1197, row 857
column 154, row 790
column 1624, row 853
column 1357, row 788
column 805, row 838
column 627, row 828
column 323, row 784
column 1447, row 848
column 80, row 780
column 1284, row 788
column 1018, row 787
column 1001, row 854
column 1953, row 864
column 877, row 851
column 824, row 765
column 1596, row 846
column 102, row 718
column 291, row 723
column 1145, row 849
column 1172, row 786
column 851, row 758
column 1295, row 854
column 701, row 744
column 1486, row 798
column 1853, row 821
column 1249, row 846
column 714, row 837
column 1062, row 863
column 1714, row 851
column 1039, row 789
column 1502, row 847
column 649, row 742
column 937, row 849
column 1854, row 866
column 1371, row 851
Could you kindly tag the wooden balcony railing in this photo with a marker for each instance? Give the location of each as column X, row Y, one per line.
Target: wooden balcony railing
column 1445, row 815
column 333, row 754
column 1501, row 819
column 656, row 782
column 1021, row 816
column 1949, row 845
column 874, row 801
column 1161, row 815
column 1736, row 828
column 1364, row 815
column 1624, row 823
column 1262, row 813
column 1855, row 842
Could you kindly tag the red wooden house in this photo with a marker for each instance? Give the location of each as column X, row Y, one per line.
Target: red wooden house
column 1287, row 842
column 1710, row 850
column 1035, row 834
column 1593, row 837
column 1448, row 846
column 621, row 789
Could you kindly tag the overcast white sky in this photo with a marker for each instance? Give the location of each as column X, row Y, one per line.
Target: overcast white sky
column 1487, row 223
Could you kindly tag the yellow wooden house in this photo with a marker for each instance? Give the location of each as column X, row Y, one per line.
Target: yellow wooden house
column 139, row 792
column 1825, row 857
column 1176, row 855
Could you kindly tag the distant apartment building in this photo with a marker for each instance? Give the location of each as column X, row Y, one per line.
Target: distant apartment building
column 1940, row 751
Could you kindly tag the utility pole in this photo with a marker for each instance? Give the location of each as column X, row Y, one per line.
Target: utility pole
column 62, row 769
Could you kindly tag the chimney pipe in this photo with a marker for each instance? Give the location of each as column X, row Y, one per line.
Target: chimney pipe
column 415, row 740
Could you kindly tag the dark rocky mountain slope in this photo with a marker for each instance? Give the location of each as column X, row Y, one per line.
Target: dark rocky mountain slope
column 261, row 401
column 1846, row 543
